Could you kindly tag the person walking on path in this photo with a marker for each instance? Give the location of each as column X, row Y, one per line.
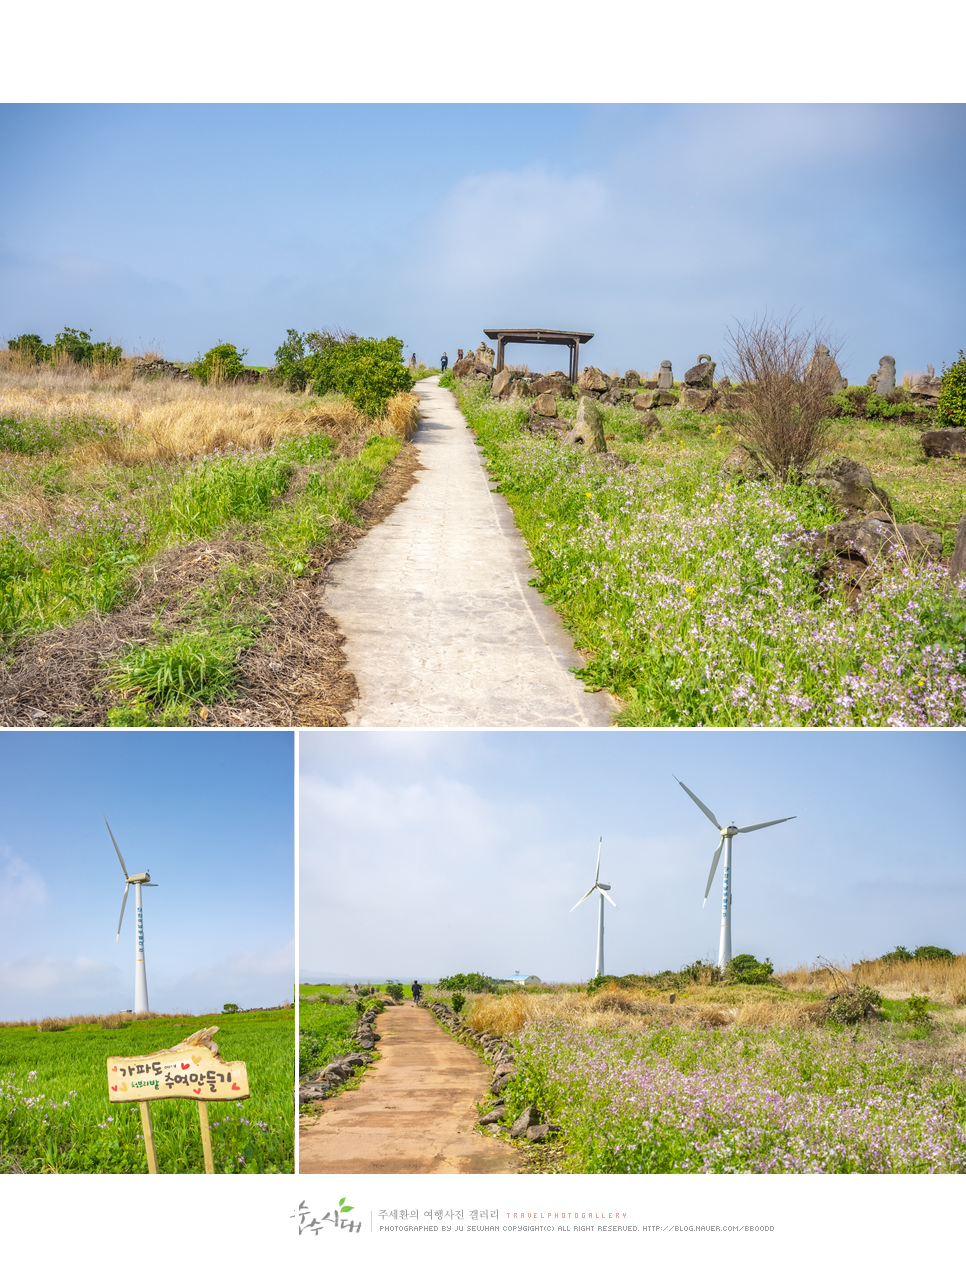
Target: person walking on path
column 417, row 992
column 444, row 363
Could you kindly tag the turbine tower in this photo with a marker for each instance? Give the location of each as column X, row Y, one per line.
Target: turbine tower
column 726, row 833
column 140, row 979
column 600, row 910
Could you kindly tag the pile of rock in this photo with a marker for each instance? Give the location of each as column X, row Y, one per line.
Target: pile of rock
column 160, row 369
column 476, row 364
column 926, row 388
column 529, row 1123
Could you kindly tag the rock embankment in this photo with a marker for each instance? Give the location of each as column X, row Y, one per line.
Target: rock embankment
column 529, row 1124
column 318, row 1085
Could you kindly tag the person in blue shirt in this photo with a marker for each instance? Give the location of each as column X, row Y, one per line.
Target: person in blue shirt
column 444, row 362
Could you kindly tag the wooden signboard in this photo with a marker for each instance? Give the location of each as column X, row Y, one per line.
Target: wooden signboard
column 192, row 1069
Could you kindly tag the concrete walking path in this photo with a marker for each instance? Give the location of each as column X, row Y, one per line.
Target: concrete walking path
column 442, row 630
column 414, row 1112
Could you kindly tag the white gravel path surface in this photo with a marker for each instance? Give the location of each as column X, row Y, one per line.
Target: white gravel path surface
column 442, row 630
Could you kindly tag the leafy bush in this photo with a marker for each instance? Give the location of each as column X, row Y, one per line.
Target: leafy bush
column 476, row 982
column 368, row 371
column 220, row 364
column 395, row 990
column 852, row 1005
column 290, row 362
column 458, row 1001
column 229, row 1008
column 70, row 344
column 369, row 1003
column 921, row 953
column 745, row 968
column 951, row 410
column 916, row 1007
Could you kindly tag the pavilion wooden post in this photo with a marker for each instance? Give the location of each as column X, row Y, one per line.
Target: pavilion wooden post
column 148, row 1134
column 206, row 1137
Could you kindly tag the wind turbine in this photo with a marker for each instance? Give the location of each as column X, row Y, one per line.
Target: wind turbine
column 600, row 912
column 724, row 946
column 140, row 980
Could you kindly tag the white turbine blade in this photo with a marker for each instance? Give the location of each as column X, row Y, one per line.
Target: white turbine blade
column 609, row 899
column 114, row 842
column 758, row 825
column 597, row 872
column 121, row 916
column 714, row 867
column 703, row 807
column 584, row 898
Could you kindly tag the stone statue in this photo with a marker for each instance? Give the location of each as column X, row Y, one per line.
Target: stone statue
column 822, row 365
column 665, row 379
column 885, row 379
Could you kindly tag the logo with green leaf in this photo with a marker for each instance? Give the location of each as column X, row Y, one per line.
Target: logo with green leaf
column 345, row 1208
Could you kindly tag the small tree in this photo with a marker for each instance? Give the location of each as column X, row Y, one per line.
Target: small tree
column 789, row 425
column 221, row 364
column 951, row 409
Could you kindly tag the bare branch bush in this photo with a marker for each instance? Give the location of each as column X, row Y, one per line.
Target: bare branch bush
column 788, row 425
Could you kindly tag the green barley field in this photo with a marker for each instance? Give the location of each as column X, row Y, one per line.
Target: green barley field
column 55, row 1116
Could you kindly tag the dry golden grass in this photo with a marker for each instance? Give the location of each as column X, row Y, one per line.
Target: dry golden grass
column 166, row 420
column 943, row 981
column 614, row 1007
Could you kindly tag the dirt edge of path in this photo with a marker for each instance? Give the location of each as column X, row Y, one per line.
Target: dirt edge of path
column 294, row 674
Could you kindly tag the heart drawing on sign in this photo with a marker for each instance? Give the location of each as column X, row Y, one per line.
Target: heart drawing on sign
column 114, row 1087
column 195, row 1060
column 185, row 1066
column 124, row 1088
column 113, row 1068
column 195, row 1090
column 236, row 1086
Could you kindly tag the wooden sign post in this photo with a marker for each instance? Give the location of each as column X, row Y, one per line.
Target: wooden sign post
column 192, row 1069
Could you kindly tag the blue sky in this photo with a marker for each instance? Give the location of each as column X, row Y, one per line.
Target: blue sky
column 210, row 815
column 423, row 854
column 655, row 227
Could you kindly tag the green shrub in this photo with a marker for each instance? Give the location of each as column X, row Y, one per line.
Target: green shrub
column 745, row 968
column 221, row 364
column 369, row 1002
column 916, row 1007
column 476, row 982
column 933, row 953
column 229, row 1008
column 951, row 410
column 290, row 362
column 72, row 344
column 458, row 1001
column 368, row 371
column 853, row 1005
column 395, row 990
column 31, row 346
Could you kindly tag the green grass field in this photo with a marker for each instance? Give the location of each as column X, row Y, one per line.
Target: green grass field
column 55, row 1116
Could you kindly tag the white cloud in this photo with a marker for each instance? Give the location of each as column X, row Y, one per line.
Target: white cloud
column 21, row 888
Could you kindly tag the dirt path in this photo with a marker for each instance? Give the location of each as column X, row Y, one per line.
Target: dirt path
column 442, row 629
column 414, row 1112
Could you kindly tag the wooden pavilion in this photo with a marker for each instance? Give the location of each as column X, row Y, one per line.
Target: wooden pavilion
column 542, row 337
